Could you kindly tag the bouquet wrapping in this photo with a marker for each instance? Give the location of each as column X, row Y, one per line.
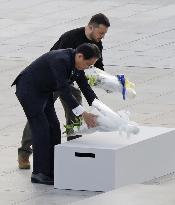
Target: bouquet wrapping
column 107, row 121
column 110, row 83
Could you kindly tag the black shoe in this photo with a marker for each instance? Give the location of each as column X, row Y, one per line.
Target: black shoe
column 69, row 138
column 42, row 179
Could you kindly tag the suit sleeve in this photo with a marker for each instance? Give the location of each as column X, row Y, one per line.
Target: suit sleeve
column 85, row 88
column 59, row 68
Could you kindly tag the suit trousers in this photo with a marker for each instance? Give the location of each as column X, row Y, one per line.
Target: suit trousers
column 44, row 125
column 26, row 142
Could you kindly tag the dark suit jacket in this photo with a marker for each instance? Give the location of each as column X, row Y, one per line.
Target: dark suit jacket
column 54, row 71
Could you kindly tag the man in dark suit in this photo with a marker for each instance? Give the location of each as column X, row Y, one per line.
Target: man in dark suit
column 35, row 85
column 92, row 33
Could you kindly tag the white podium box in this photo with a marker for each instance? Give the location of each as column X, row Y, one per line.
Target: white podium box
column 106, row 161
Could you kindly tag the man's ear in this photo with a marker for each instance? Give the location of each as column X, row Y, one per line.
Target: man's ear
column 80, row 56
column 91, row 27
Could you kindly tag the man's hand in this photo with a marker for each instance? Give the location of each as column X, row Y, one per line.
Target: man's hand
column 90, row 119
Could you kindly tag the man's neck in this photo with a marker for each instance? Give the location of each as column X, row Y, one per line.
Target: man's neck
column 87, row 33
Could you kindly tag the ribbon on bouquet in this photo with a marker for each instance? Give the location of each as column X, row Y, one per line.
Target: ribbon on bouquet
column 121, row 79
column 125, row 84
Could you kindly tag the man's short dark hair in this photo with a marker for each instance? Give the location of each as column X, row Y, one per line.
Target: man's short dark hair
column 98, row 19
column 89, row 51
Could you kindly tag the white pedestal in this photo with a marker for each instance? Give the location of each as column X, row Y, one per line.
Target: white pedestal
column 106, row 161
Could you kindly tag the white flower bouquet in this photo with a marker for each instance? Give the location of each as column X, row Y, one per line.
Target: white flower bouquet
column 110, row 83
column 107, row 120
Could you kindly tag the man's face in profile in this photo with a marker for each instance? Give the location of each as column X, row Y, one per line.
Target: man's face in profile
column 81, row 63
column 98, row 32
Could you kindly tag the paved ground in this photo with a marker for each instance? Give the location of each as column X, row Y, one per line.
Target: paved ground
column 140, row 43
column 134, row 195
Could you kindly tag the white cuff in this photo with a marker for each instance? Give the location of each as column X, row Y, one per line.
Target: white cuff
column 78, row 110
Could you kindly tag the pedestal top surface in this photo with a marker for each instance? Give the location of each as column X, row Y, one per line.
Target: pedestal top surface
column 114, row 140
